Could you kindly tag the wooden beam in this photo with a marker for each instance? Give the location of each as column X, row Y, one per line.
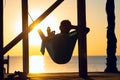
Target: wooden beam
column 1, row 40
column 82, row 44
column 30, row 28
column 25, row 45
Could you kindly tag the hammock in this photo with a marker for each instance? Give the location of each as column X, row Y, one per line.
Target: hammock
column 60, row 47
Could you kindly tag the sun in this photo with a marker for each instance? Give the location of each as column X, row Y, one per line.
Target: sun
column 36, row 64
column 34, row 38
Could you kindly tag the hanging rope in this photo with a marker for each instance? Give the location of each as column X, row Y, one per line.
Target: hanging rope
column 30, row 16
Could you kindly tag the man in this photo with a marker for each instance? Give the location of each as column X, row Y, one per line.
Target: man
column 66, row 26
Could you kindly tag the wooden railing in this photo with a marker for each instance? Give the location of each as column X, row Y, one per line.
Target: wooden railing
column 6, row 62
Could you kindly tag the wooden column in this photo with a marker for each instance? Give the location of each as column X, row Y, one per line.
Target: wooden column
column 111, row 38
column 1, row 40
column 25, row 39
column 82, row 44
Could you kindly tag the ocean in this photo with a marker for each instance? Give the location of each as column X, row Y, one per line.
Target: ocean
column 95, row 64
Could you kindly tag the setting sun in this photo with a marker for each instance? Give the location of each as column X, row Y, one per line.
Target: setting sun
column 50, row 21
column 36, row 64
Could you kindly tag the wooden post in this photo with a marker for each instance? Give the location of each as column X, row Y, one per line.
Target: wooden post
column 111, row 38
column 82, row 44
column 8, row 60
column 25, row 39
column 1, row 40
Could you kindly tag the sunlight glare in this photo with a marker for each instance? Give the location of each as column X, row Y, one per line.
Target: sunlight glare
column 36, row 64
column 18, row 26
column 34, row 37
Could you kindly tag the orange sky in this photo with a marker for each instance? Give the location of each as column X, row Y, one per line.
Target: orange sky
column 96, row 21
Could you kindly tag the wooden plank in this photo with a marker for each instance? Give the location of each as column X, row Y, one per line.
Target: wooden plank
column 25, row 44
column 74, row 76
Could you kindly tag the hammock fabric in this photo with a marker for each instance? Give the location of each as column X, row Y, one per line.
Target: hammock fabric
column 60, row 47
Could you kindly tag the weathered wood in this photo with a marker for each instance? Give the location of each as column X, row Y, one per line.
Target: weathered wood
column 1, row 40
column 30, row 28
column 82, row 44
column 111, row 38
column 25, row 45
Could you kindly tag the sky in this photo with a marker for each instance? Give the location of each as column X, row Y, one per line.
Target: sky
column 95, row 19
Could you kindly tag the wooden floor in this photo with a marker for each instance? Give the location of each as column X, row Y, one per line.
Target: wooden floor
column 75, row 76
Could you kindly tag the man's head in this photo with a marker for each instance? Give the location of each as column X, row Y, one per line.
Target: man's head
column 65, row 26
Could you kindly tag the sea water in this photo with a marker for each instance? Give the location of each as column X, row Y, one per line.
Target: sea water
column 95, row 64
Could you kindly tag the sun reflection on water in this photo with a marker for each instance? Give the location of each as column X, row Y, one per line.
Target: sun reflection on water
column 36, row 64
